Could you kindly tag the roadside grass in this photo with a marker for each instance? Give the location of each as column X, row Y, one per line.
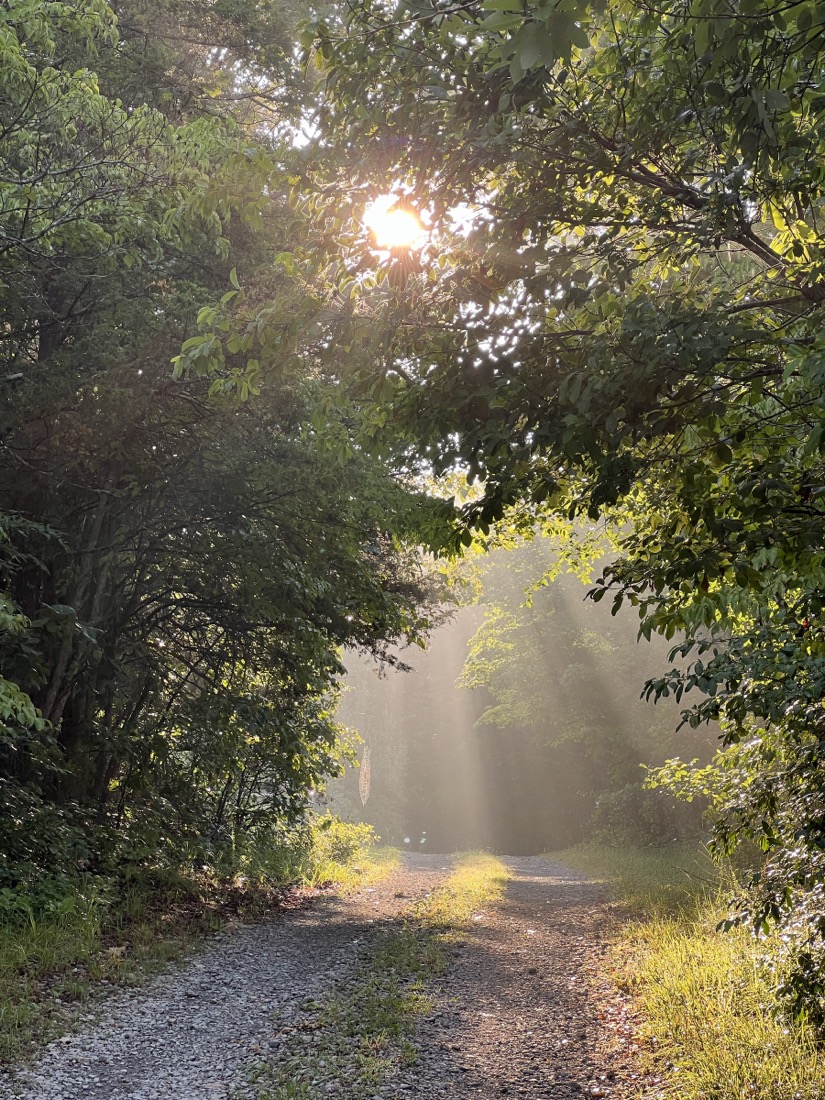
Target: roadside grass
column 366, row 867
column 52, row 967
column 362, row 1033
column 676, row 878
column 711, row 1025
column 55, row 966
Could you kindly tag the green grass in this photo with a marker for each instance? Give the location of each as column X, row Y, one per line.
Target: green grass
column 706, row 998
column 363, row 1031
column 367, row 867
column 711, row 1025
column 53, row 969
column 478, row 879
column 650, row 881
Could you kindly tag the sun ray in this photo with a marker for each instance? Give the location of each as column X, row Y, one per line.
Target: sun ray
column 394, row 223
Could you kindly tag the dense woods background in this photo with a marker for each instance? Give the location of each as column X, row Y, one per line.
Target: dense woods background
column 614, row 319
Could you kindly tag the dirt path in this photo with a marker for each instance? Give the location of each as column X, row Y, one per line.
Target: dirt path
column 195, row 1032
column 519, row 1012
column 525, row 1010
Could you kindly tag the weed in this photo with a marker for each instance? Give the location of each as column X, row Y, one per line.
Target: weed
column 706, row 997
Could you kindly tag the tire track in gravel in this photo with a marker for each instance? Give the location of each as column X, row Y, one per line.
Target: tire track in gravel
column 195, row 1032
column 526, row 1010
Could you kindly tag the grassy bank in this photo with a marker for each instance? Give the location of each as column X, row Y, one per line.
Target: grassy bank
column 651, row 882
column 102, row 933
column 362, row 1032
column 706, row 997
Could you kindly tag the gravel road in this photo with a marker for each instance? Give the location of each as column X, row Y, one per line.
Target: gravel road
column 520, row 1013
column 526, row 1009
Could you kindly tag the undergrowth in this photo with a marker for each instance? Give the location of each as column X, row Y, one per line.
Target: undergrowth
column 706, row 997
column 362, row 1032
column 651, row 881
column 110, row 931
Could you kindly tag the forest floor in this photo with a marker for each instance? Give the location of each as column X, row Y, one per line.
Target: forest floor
column 348, row 998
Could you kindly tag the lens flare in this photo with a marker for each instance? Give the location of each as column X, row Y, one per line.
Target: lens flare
column 393, row 223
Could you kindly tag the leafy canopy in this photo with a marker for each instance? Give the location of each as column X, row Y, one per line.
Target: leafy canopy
column 177, row 573
column 629, row 326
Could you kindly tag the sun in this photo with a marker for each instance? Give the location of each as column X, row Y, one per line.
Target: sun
column 393, row 223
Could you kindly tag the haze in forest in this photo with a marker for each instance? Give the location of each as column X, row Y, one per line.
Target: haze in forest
column 519, row 729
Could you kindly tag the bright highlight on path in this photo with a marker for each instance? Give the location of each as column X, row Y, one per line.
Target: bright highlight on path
column 393, row 223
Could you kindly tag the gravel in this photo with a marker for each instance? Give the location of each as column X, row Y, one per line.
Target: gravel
column 523, row 1011
column 197, row 1032
column 526, row 1009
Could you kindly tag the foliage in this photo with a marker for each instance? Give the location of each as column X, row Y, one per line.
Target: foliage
column 316, row 852
column 191, row 661
column 617, row 313
column 627, row 323
column 772, row 773
column 177, row 572
column 569, row 673
column 520, row 728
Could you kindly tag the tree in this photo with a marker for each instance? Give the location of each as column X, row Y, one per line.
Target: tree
column 178, row 571
column 567, row 673
column 629, row 326
column 617, row 314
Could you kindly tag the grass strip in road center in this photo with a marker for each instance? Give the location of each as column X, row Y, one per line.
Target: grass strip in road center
column 352, row 1044
column 478, row 879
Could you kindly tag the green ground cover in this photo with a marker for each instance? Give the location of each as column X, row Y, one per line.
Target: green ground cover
column 711, row 1024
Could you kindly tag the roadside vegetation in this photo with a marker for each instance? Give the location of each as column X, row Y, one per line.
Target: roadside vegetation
column 652, row 881
column 231, row 414
column 54, row 963
column 707, row 997
column 362, row 1033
